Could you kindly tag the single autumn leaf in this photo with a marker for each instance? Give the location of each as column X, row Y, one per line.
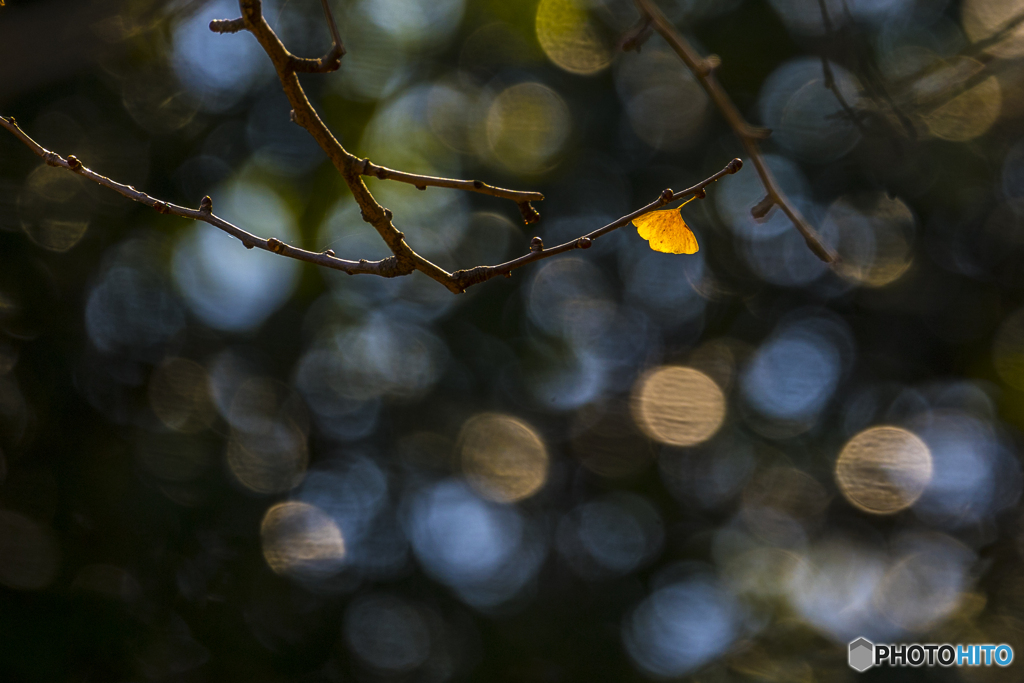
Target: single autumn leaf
column 666, row 231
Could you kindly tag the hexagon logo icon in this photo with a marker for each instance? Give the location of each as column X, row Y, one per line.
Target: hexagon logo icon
column 862, row 654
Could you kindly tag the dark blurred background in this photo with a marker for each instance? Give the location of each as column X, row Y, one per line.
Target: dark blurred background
column 223, row 465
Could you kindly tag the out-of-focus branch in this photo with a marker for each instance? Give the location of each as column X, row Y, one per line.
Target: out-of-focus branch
column 997, row 37
column 829, row 77
column 635, row 38
column 871, row 80
column 830, row 83
column 976, row 50
column 703, row 70
column 472, row 276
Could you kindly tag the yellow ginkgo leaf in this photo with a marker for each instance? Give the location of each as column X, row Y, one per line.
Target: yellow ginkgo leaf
column 666, row 231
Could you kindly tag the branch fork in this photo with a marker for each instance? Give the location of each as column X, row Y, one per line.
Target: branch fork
column 404, row 260
column 703, row 69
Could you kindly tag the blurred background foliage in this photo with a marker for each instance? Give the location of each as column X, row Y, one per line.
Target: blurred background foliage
column 219, row 464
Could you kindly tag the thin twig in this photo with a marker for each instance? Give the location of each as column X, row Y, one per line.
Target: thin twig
column 704, row 71
column 925, row 105
column 404, row 260
column 479, row 274
column 868, row 72
column 347, row 164
column 830, row 84
column 929, row 104
column 829, row 77
column 385, row 268
column 388, row 267
column 423, row 181
column 976, row 50
column 329, row 62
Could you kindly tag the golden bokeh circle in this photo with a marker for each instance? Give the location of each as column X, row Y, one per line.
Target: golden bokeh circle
column 876, row 237
column 569, row 38
column 883, row 470
column 983, row 19
column 49, row 215
column 503, row 457
column 301, row 540
column 527, row 124
column 269, row 462
column 179, row 394
column 679, row 406
column 973, row 108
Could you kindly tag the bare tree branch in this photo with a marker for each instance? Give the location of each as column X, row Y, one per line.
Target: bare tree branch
column 704, row 71
column 388, row 267
column 423, row 181
column 829, row 77
column 385, row 268
column 467, row 278
column 977, row 50
column 329, row 62
column 871, row 78
column 404, row 260
column 349, row 165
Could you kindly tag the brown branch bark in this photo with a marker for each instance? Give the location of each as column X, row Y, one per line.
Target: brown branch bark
column 423, row 181
column 472, row 276
column 404, row 259
column 349, row 165
column 386, row 268
column 749, row 136
column 346, row 163
column 227, row 25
